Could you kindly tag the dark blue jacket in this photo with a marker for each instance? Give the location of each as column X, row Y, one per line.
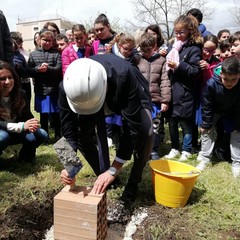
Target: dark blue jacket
column 203, row 30
column 184, row 81
column 222, row 101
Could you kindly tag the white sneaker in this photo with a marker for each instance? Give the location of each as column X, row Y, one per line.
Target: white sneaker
column 185, row 156
column 202, row 165
column 236, row 169
column 110, row 142
column 173, row 153
column 203, row 161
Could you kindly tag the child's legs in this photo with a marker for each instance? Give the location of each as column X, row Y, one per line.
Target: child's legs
column 235, row 146
column 208, row 139
column 4, row 140
column 187, row 128
column 207, row 143
column 44, row 121
column 57, row 124
column 161, row 131
column 156, row 139
column 174, row 134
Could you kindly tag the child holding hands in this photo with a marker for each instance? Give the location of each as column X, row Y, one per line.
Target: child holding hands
column 45, row 66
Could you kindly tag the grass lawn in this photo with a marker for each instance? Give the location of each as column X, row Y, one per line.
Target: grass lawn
column 212, row 212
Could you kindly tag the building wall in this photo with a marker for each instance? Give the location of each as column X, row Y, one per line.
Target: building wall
column 29, row 28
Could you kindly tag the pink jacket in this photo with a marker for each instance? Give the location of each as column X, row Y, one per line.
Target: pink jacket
column 69, row 55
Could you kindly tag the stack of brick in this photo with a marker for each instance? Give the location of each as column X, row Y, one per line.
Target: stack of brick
column 80, row 215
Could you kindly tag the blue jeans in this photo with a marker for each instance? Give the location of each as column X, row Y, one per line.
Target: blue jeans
column 29, row 140
column 187, row 127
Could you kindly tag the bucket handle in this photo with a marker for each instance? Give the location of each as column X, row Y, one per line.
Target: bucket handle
column 192, row 172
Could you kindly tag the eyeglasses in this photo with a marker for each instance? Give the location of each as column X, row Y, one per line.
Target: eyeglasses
column 180, row 33
column 99, row 29
column 206, row 50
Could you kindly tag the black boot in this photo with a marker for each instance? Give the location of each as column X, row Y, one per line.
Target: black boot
column 130, row 192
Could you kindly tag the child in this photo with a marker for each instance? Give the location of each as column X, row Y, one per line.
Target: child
column 20, row 63
column 17, row 124
column 235, row 44
column 104, row 34
column 91, row 36
column 224, row 50
column 196, row 13
column 62, row 42
column 223, row 35
column 123, row 45
column 184, row 71
column 207, row 64
column 153, row 67
column 46, row 68
column 221, row 100
column 77, row 49
column 156, row 31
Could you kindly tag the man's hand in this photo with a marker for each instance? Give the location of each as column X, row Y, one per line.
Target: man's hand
column 65, row 179
column 102, row 182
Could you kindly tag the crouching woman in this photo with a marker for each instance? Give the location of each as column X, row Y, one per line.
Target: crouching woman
column 17, row 124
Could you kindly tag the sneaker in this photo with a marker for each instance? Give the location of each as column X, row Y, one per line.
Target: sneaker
column 236, row 169
column 110, row 142
column 154, row 156
column 202, row 165
column 185, row 156
column 173, row 153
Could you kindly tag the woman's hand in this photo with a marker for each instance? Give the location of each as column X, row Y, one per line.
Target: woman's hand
column 31, row 125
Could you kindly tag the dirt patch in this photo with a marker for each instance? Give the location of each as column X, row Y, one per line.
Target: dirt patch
column 27, row 222
column 30, row 222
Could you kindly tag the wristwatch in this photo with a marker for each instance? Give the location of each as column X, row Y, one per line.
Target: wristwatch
column 113, row 171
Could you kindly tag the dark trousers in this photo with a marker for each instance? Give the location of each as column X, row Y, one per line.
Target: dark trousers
column 44, row 119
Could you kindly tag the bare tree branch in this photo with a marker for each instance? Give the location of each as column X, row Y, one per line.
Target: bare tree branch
column 164, row 12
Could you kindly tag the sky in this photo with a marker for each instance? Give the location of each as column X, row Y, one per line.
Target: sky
column 80, row 11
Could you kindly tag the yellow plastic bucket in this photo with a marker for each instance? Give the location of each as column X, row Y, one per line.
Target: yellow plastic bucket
column 173, row 182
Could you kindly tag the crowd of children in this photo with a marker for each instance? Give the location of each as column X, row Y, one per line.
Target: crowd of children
column 192, row 79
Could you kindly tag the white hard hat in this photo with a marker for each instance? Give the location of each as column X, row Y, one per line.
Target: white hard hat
column 85, row 84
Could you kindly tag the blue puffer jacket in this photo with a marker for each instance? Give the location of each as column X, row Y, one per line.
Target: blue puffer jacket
column 222, row 101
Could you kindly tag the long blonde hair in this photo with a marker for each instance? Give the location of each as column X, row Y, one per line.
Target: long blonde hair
column 191, row 24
